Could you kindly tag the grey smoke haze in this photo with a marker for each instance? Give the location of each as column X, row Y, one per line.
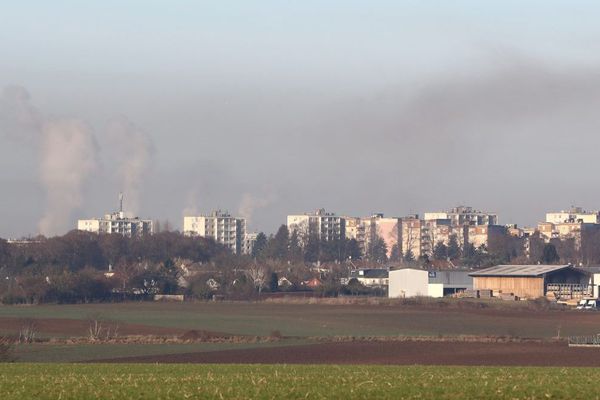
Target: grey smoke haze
column 66, row 151
column 271, row 108
column 250, row 203
column 515, row 138
column 68, row 157
column 131, row 150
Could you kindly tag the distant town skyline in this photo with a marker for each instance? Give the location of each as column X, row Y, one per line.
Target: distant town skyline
column 271, row 108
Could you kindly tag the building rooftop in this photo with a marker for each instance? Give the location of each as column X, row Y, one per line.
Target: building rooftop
column 451, row 278
column 520, row 270
column 369, row 273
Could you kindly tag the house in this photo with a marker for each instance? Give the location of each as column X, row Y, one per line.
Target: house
column 284, row 282
column 410, row 282
column 532, row 281
column 213, row 284
column 312, row 283
column 369, row 277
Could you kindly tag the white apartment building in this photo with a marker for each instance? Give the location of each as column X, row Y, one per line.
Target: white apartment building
column 117, row 223
column 248, row 242
column 324, row 225
column 463, row 215
column 221, row 226
column 574, row 215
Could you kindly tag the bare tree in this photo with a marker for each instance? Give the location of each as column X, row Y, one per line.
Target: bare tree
column 28, row 330
column 95, row 326
column 258, row 276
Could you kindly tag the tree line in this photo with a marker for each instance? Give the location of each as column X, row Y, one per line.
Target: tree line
column 75, row 267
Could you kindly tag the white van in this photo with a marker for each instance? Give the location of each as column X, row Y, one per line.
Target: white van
column 588, row 304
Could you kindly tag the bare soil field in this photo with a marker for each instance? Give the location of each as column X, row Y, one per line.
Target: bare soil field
column 76, row 327
column 394, row 353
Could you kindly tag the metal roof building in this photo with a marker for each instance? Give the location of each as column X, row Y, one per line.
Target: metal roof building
column 520, row 270
column 533, row 281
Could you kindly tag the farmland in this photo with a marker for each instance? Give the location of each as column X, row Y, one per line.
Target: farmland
column 143, row 381
column 156, row 332
column 245, row 318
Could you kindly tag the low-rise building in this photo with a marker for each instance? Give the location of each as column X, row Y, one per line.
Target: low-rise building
column 369, row 277
column 412, row 282
column 533, row 281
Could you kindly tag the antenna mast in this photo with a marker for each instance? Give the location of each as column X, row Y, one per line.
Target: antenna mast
column 121, row 202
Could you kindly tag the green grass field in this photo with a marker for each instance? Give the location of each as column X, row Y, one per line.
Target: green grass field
column 53, row 381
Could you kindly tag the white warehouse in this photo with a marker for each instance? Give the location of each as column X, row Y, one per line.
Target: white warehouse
column 411, row 282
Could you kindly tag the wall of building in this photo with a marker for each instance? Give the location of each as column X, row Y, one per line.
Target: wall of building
column 408, row 283
column 526, row 287
column 435, row 289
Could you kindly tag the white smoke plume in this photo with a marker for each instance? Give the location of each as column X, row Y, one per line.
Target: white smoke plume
column 134, row 152
column 67, row 155
column 190, row 208
column 251, row 202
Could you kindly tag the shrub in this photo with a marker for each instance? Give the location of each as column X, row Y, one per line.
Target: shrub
column 6, row 350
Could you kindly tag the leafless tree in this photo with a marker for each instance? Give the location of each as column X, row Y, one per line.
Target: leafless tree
column 95, row 326
column 258, row 275
column 28, row 330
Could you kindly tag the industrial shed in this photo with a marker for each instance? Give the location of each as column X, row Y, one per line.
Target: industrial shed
column 533, row 281
column 410, row 282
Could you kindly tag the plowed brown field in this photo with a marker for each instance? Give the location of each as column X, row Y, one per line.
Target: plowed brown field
column 400, row 353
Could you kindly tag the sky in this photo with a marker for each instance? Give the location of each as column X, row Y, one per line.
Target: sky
column 269, row 108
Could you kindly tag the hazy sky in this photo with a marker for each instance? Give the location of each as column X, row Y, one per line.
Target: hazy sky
column 269, row 107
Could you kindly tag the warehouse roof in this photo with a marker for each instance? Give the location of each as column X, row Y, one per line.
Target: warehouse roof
column 520, row 270
column 451, row 278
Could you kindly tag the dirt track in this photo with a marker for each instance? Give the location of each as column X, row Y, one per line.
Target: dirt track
column 400, row 353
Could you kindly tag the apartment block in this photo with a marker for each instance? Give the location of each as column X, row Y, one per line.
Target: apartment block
column 116, row 223
column 411, row 236
column 566, row 230
column 388, row 229
column 220, row 226
column 323, row 225
column 463, row 215
column 574, row 215
column 482, row 235
column 248, row 242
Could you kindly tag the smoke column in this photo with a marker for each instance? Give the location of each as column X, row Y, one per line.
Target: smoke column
column 66, row 151
column 134, row 151
column 68, row 158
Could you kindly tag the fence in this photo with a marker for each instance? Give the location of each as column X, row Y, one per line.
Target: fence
column 584, row 341
column 569, row 290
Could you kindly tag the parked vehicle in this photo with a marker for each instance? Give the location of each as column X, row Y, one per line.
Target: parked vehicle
column 588, row 304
